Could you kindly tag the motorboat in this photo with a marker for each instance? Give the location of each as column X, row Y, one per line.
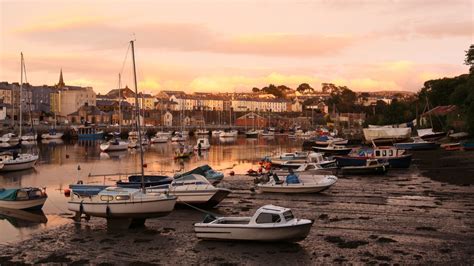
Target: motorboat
column 333, row 149
column 429, row 135
column 308, row 183
column 229, row 134
column 292, row 155
column 396, row 158
column 417, row 144
column 178, row 137
column 202, row 144
column 312, row 157
column 456, row 146
column 13, row 161
column 88, row 132
column 216, row 133
column 161, row 137
column 134, row 181
column 183, row 152
column 267, row 133
column 52, row 134
column 202, row 132
column 194, row 189
column 115, row 144
column 164, row 134
column 10, row 138
column 27, row 198
column 29, row 137
column 252, row 133
column 269, row 223
column 372, row 167
column 212, row 175
column 324, row 141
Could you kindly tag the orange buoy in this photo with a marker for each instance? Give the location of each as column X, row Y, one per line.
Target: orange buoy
column 232, row 173
column 145, row 165
column 67, row 192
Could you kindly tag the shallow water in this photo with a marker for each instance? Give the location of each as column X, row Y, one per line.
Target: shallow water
column 61, row 164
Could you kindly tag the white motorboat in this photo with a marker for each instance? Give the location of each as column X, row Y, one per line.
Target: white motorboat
column 194, row 189
column 202, row 144
column 299, row 160
column 308, row 183
column 118, row 202
column 10, row 137
column 163, row 133
column 324, row 141
column 27, row 198
column 216, row 133
column 269, row 223
column 52, row 134
column 29, row 137
column 115, row 144
column 15, row 162
column 252, row 133
column 229, row 134
column 202, row 132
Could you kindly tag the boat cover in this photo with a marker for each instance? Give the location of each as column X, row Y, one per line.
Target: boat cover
column 8, row 194
column 201, row 170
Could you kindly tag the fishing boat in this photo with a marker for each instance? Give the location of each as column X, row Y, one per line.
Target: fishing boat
column 115, row 144
column 396, row 158
column 417, row 144
column 124, row 207
column 333, row 149
column 52, row 134
column 210, row 174
column 372, row 167
column 269, row 223
column 13, row 161
column 194, row 189
column 27, row 198
column 87, row 132
column 386, row 134
column 308, row 183
column 202, row 144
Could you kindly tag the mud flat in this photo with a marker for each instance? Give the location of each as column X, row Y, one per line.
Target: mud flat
column 407, row 217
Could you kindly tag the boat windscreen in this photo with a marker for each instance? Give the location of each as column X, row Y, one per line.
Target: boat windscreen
column 288, row 215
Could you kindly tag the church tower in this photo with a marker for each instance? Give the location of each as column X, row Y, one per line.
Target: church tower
column 61, row 80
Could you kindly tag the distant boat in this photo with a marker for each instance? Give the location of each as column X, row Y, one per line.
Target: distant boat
column 372, row 167
column 452, row 146
column 202, row 144
column 10, row 138
column 88, row 132
column 269, row 223
column 27, row 198
column 216, row 133
column 13, row 161
column 308, row 183
column 52, row 134
column 333, row 149
column 115, row 144
column 417, row 144
column 252, row 133
column 202, row 132
column 429, row 135
column 212, row 175
column 229, row 134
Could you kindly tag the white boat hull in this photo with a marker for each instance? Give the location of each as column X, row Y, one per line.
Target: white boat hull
column 295, row 232
column 302, row 187
column 20, row 165
column 23, row 204
column 49, row 136
column 128, row 209
column 122, row 145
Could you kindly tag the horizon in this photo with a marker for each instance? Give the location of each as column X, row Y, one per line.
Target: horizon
column 208, row 46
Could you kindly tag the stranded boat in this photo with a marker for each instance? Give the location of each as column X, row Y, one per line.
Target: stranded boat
column 396, row 158
column 333, row 149
column 308, row 183
column 27, row 198
column 372, row 167
column 269, row 223
column 210, row 174
column 416, row 145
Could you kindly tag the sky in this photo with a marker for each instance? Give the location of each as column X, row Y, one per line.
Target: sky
column 233, row 46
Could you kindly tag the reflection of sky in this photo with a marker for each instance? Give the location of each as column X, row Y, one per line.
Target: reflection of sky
column 58, row 167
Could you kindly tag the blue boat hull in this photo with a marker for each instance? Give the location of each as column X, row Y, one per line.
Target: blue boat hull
column 397, row 162
column 416, row 146
column 91, row 136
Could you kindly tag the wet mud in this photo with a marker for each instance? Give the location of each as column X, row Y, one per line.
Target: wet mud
column 407, row 217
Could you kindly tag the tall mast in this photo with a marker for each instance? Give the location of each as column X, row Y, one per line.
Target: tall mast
column 138, row 115
column 120, row 105
column 21, row 88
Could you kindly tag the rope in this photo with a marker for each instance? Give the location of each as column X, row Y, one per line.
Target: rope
column 199, row 209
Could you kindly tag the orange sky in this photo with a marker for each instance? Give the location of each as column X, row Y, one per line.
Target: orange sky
column 235, row 45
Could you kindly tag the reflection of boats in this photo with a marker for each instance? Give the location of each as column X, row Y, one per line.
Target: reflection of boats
column 10, row 137
column 196, row 190
column 205, row 170
column 13, row 161
column 417, row 144
column 4, row 146
column 52, row 141
column 308, row 183
column 21, row 218
column 113, row 154
column 161, row 137
column 372, row 167
column 28, row 198
column 31, row 137
column 227, row 139
column 269, row 223
column 202, row 144
column 396, row 158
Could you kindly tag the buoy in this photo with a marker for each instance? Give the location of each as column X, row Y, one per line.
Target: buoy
column 232, row 173
column 67, row 156
column 145, row 165
column 67, row 192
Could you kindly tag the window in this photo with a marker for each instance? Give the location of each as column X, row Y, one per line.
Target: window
column 377, row 153
column 106, row 198
column 122, row 197
column 288, row 215
column 265, row 218
column 390, row 152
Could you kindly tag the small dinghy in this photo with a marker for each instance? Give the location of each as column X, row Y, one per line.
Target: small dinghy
column 417, row 145
column 269, row 223
column 27, row 198
column 307, row 183
column 202, row 144
column 372, row 167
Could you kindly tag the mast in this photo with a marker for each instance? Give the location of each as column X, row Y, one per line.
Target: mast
column 21, row 88
column 138, row 115
column 120, row 105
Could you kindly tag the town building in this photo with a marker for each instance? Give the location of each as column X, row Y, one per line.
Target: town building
column 251, row 120
column 89, row 113
column 71, row 98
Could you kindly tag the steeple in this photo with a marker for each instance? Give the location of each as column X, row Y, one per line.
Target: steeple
column 61, row 81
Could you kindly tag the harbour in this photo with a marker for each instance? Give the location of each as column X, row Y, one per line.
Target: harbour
column 415, row 215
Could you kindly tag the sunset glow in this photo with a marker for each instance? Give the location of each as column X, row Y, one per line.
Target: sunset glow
column 234, row 46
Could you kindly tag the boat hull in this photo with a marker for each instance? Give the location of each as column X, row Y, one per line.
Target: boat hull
column 332, row 151
column 205, row 198
column 355, row 170
column 110, row 147
column 288, row 233
column 49, row 136
column 136, row 210
column 416, row 146
column 396, row 162
column 18, row 166
column 91, row 136
column 31, row 204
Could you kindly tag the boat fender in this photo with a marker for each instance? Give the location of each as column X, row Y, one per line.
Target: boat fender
column 81, row 208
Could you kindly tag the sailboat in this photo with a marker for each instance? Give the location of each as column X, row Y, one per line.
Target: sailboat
column 252, row 133
column 428, row 134
column 14, row 161
column 53, row 134
column 229, row 133
column 125, row 207
column 116, row 144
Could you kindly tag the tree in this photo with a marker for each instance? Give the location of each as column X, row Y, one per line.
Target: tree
column 304, row 88
column 470, row 58
column 255, row 89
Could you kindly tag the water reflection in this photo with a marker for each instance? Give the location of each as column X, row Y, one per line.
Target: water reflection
column 21, row 219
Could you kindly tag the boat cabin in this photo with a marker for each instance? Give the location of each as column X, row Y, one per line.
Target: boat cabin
column 203, row 141
column 382, row 152
column 272, row 214
column 192, row 179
